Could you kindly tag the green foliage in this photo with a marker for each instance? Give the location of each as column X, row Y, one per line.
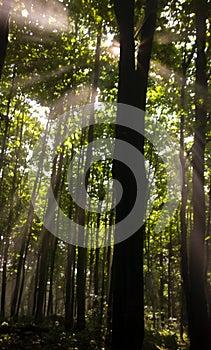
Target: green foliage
column 50, row 67
column 53, row 336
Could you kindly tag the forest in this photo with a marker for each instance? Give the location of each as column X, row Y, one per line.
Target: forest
column 105, row 174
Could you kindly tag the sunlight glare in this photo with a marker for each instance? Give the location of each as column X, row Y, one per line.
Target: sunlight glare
column 47, row 15
column 112, row 45
column 115, row 49
column 24, row 13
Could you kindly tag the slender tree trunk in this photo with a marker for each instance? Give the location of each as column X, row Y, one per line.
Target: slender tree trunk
column 103, row 285
column 43, row 272
column 69, row 287
column 36, row 280
column 23, row 275
column 82, row 252
column 161, row 291
column 7, row 126
column 5, row 257
column 17, row 295
column 21, row 261
column 10, row 221
column 81, row 285
column 91, row 264
column 52, row 264
column 169, row 274
column 46, row 238
column 183, row 224
column 96, row 270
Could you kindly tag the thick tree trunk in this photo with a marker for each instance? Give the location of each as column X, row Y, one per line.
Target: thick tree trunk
column 4, row 31
column 199, row 325
column 185, row 298
column 127, row 270
column 127, row 309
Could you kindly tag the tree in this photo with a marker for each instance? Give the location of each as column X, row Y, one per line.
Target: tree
column 199, row 319
column 127, row 271
column 4, row 30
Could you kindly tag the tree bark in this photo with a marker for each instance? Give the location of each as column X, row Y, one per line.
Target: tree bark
column 69, row 287
column 127, row 269
column 199, row 325
column 4, row 31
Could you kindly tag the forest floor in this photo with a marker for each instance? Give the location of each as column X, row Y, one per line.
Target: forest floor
column 28, row 336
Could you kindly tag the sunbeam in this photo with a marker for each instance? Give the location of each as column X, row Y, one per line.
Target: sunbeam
column 49, row 15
